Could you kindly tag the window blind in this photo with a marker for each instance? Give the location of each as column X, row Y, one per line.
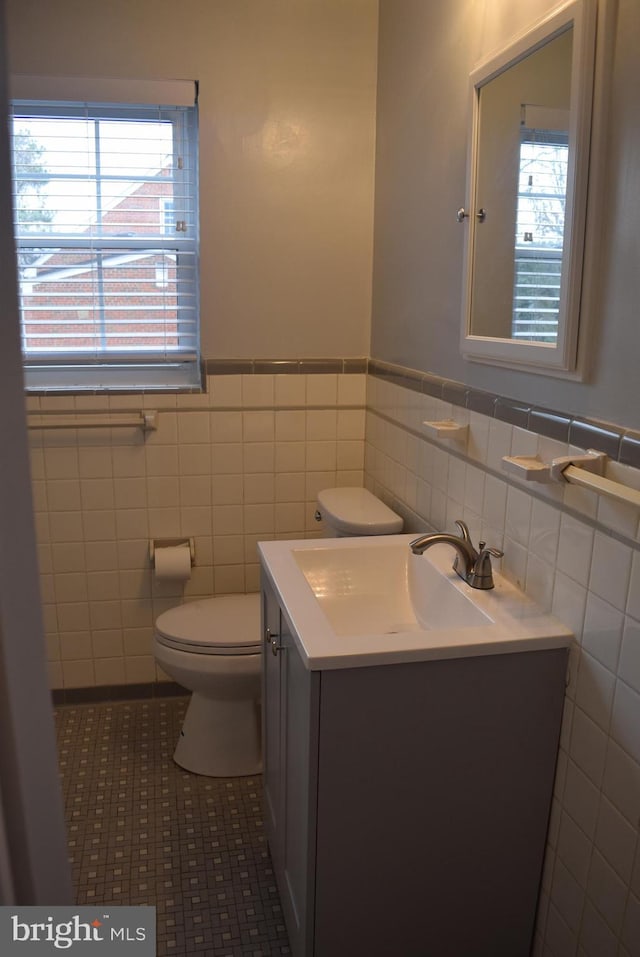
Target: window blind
column 106, row 225
column 540, row 219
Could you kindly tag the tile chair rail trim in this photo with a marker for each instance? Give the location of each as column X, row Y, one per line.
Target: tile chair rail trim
column 620, row 444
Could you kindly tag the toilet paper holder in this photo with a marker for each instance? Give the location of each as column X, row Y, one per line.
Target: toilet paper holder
column 171, row 542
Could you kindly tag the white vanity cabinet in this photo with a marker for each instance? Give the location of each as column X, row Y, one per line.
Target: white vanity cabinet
column 406, row 805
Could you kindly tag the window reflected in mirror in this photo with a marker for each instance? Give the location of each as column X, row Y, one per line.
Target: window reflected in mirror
column 540, row 220
column 527, row 191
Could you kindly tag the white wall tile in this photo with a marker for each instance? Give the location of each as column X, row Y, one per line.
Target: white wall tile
column 139, row 669
column 194, row 520
column 226, row 458
column 580, row 799
column 258, row 426
column 226, row 390
column 229, row 579
column 258, row 457
column 162, row 460
column 621, row 782
column 290, row 390
column 569, row 602
column 228, row 549
column 289, row 487
column 567, row 895
column 561, row 939
column 631, row 929
column 227, row 489
column 595, row 690
column 290, row 425
column 258, row 390
column 625, row 720
column 352, row 388
column 616, row 839
column 544, row 531
column 109, row 671
column 575, row 547
column 633, row 600
column 130, row 492
column 103, row 585
column 226, row 426
column 259, row 488
column 588, row 746
column 100, row 556
column 495, row 503
column 321, row 456
column 130, row 523
column 66, row 527
column 163, row 522
column 75, row 645
column 194, row 459
column 602, row 634
column 194, row 490
column 610, row 570
column 321, row 424
column 322, row 389
column 629, row 664
column 574, row 848
column 607, row 892
column 193, row 428
column 163, row 491
column 78, row 674
column 539, row 581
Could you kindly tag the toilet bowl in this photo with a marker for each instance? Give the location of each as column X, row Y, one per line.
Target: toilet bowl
column 212, row 648
column 349, row 511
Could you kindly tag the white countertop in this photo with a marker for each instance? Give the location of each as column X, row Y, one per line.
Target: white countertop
column 515, row 623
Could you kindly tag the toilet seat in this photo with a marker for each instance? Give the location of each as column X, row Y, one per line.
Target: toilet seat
column 226, row 625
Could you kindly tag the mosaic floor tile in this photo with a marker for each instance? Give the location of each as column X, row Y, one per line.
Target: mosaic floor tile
column 141, row 830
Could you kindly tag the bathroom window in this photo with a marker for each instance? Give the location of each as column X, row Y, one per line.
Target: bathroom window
column 540, row 223
column 106, row 225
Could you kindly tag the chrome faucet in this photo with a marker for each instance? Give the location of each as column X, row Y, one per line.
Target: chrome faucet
column 472, row 566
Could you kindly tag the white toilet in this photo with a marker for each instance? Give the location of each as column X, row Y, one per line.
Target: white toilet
column 347, row 512
column 212, row 647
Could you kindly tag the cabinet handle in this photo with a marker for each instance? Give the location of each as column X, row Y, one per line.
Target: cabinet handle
column 272, row 641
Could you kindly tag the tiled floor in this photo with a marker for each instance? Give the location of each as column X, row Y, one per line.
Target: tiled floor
column 143, row 831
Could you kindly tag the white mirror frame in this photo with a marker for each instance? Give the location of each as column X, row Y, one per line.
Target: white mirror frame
column 559, row 358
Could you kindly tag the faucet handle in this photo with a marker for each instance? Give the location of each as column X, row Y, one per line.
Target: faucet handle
column 482, row 574
column 464, row 530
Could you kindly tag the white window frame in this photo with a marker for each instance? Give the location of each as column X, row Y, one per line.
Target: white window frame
column 103, row 369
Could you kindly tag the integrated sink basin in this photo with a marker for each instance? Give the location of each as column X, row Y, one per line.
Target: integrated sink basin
column 350, row 602
column 364, row 590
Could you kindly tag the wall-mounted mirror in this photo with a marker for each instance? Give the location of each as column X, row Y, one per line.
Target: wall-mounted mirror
column 528, row 170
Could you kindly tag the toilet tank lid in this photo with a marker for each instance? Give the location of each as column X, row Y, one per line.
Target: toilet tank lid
column 357, row 511
column 227, row 620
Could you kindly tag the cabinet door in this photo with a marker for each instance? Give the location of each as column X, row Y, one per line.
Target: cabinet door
column 272, row 730
column 299, row 759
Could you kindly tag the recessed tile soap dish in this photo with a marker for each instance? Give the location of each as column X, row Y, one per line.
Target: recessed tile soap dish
column 445, row 429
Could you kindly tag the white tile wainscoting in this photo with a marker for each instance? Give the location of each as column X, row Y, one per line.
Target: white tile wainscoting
column 240, row 463
column 578, row 555
column 244, row 462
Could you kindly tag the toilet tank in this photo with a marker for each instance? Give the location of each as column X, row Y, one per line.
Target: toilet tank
column 355, row 511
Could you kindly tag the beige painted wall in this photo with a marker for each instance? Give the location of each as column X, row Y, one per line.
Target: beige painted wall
column 426, row 52
column 287, row 120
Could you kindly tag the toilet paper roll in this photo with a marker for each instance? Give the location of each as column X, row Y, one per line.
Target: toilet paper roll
column 173, row 563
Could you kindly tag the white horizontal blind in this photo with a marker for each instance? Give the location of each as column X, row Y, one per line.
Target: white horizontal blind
column 539, row 240
column 105, row 200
